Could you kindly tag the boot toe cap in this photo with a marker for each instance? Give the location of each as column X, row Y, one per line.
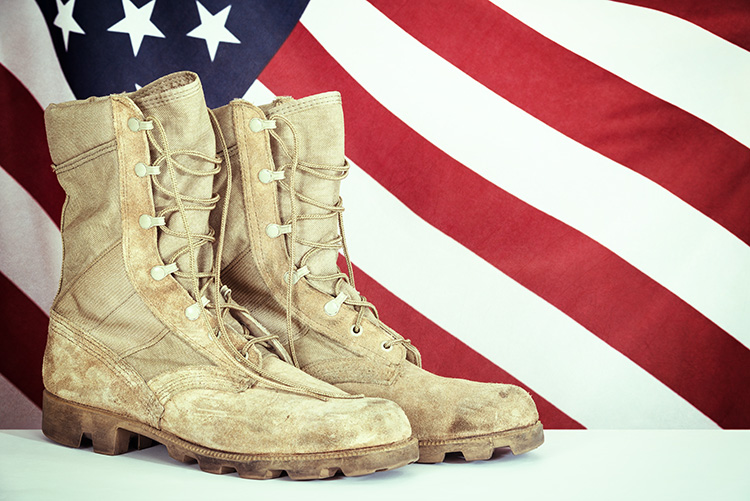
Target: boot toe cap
column 441, row 408
column 266, row 421
column 497, row 407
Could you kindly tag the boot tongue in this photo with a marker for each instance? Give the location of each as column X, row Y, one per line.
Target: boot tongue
column 318, row 123
column 177, row 102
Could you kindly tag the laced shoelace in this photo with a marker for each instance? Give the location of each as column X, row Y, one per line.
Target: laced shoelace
column 166, row 156
column 339, row 242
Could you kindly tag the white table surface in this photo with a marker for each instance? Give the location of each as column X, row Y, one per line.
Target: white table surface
column 601, row 465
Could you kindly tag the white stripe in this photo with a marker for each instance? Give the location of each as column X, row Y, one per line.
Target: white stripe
column 26, row 50
column 676, row 245
column 30, row 244
column 669, row 57
column 258, row 94
column 520, row 332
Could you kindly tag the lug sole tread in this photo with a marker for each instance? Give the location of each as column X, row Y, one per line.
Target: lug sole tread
column 477, row 448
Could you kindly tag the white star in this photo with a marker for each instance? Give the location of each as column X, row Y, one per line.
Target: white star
column 212, row 29
column 65, row 21
column 137, row 23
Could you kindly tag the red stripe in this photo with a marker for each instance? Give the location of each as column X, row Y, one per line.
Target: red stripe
column 585, row 280
column 444, row 354
column 690, row 158
column 729, row 19
column 23, row 145
column 23, row 340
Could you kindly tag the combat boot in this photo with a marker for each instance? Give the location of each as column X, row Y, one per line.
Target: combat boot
column 285, row 230
column 144, row 342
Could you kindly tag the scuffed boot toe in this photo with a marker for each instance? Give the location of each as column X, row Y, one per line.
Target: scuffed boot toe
column 306, row 437
column 514, row 408
column 487, row 417
column 456, row 415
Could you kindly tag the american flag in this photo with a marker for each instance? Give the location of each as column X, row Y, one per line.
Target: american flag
column 552, row 193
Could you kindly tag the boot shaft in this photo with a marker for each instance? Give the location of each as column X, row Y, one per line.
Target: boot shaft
column 178, row 104
column 112, row 324
column 110, row 160
column 94, row 165
column 310, row 133
column 256, row 262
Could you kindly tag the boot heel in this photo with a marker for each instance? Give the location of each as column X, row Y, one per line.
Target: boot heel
column 69, row 423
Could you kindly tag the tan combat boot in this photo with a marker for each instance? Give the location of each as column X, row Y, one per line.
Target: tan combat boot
column 290, row 157
column 142, row 346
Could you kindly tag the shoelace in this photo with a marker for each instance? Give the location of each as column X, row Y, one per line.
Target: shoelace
column 195, row 241
column 167, row 156
column 338, row 242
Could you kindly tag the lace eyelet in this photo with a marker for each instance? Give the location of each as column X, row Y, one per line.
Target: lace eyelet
column 274, row 230
column 161, row 272
column 354, row 332
column 146, row 221
column 193, row 312
column 298, row 274
column 333, row 306
column 266, row 176
column 138, row 125
column 143, row 170
column 386, row 348
column 258, row 124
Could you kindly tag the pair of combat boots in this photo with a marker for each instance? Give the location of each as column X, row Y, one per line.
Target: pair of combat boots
column 200, row 304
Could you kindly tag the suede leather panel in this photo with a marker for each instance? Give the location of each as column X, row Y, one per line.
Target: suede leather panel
column 322, row 347
column 291, row 374
column 166, row 298
column 442, row 408
column 269, row 255
column 167, row 384
column 252, row 421
column 256, row 298
column 78, row 368
column 352, row 370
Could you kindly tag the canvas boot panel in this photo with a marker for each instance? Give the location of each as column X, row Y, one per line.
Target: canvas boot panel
column 145, row 342
column 289, row 156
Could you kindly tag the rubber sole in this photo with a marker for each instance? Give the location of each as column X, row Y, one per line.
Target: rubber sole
column 69, row 423
column 481, row 447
